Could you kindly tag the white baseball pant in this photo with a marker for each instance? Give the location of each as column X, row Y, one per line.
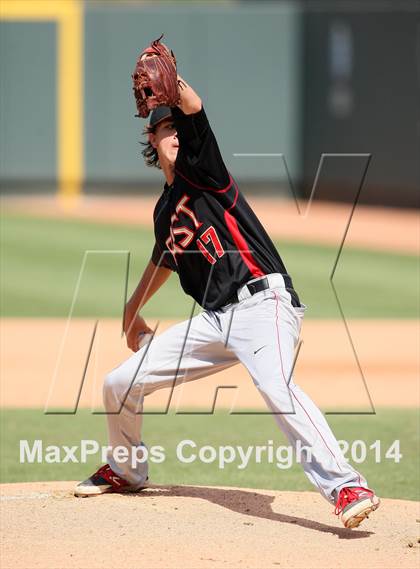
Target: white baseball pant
column 265, row 323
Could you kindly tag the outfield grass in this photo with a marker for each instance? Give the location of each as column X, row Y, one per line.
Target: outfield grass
column 390, row 479
column 42, row 259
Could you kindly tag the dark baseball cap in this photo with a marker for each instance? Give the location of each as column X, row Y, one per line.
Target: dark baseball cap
column 159, row 114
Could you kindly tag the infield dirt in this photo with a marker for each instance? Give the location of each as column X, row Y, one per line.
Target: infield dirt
column 197, row 527
column 326, row 367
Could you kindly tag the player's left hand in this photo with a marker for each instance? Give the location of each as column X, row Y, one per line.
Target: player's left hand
column 155, row 81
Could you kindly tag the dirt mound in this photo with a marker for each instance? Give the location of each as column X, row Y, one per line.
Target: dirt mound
column 197, row 527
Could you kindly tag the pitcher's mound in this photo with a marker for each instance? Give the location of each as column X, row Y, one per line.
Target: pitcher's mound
column 196, row 527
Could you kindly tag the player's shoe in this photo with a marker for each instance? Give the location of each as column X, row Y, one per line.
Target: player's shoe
column 103, row 481
column 354, row 504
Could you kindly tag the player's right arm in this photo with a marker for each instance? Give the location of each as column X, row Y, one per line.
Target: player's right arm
column 134, row 325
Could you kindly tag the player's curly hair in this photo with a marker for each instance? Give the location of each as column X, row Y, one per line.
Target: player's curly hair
column 149, row 153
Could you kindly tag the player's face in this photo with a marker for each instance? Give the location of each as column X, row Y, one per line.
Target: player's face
column 165, row 140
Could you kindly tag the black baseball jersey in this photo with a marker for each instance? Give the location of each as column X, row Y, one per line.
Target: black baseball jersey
column 205, row 230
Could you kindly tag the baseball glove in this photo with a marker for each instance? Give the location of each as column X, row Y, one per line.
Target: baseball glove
column 155, row 79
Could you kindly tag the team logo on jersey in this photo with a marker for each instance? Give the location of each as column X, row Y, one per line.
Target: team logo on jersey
column 181, row 235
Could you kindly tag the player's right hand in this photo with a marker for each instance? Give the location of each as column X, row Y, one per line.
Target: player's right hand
column 135, row 328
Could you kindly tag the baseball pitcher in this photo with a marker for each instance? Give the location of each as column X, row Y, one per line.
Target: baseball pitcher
column 207, row 233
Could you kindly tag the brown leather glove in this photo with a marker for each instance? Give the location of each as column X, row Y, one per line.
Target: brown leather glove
column 155, row 79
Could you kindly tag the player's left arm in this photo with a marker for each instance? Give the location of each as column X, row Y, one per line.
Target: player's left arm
column 199, row 158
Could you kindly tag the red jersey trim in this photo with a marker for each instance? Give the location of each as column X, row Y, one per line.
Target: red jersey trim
column 205, row 187
column 235, row 199
column 242, row 246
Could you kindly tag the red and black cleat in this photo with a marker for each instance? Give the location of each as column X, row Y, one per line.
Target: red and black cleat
column 354, row 504
column 103, row 481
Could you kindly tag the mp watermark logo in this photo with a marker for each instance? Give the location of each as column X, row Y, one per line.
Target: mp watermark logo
column 356, row 164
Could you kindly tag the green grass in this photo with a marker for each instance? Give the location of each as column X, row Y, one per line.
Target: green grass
column 390, row 479
column 42, row 259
